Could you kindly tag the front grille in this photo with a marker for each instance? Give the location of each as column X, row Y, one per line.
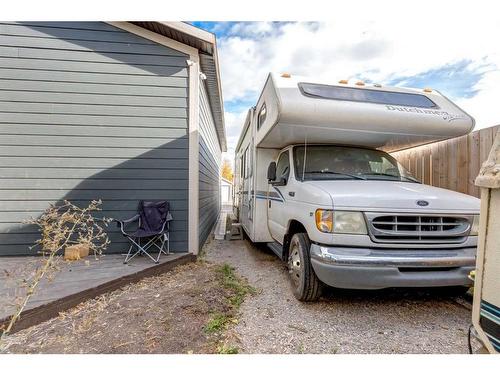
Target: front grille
column 410, row 228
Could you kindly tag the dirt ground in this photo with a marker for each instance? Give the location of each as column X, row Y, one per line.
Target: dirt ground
column 343, row 321
column 205, row 307
column 164, row 314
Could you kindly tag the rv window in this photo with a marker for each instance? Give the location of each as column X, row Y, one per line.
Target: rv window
column 262, row 116
column 366, row 95
column 247, row 163
column 243, row 164
column 250, row 162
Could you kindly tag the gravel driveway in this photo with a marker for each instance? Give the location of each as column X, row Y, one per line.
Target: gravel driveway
column 388, row 321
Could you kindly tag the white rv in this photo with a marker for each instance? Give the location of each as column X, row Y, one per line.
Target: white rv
column 314, row 180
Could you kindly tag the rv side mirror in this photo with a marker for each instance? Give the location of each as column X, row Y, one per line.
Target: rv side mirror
column 280, row 182
column 271, row 172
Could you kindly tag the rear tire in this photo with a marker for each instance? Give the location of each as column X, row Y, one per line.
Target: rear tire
column 305, row 284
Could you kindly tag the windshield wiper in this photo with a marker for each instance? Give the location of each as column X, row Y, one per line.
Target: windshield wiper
column 338, row 173
column 392, row 175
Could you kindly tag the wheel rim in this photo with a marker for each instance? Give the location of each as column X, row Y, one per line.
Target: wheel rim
column 294, row 265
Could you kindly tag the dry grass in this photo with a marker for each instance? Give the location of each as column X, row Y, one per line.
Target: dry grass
column 236, row 289
column 60, row 226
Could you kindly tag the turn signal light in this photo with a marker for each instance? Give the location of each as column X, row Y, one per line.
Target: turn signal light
column 324, row 220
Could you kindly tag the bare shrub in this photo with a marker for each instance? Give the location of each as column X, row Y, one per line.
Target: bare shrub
column 60, row 226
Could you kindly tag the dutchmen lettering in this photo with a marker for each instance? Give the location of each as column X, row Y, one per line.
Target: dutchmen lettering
column 445, row 115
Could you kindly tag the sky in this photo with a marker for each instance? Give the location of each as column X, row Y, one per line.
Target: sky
column 444, row 52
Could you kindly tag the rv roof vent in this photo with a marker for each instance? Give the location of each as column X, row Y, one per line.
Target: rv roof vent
column 427, row 89
column 285, row 75
column 344, row 81
column 360, row 83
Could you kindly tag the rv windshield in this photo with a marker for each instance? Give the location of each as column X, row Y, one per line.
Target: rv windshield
column 347, row 163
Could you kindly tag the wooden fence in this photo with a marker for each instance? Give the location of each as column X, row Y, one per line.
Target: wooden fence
column 453, row 164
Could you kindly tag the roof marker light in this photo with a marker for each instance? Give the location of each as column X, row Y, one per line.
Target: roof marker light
column 285, row 75
column 427, row 89
column 344, row 81
column 360, row 83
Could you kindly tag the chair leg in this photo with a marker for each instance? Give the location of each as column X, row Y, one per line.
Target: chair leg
column 140, row 250
column 143, row 249
column 149, row 256
column 159, row 252
column 168, row 242
column 128, row 254
column 162, row 247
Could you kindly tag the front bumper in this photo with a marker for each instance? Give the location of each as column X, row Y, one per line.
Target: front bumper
column 364, row 268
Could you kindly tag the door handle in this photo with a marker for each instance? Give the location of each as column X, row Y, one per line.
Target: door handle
column 291, row 193
column 269, row 203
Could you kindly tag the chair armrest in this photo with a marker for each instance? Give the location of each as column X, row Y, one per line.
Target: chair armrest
column 166, row 224
column 121, row 223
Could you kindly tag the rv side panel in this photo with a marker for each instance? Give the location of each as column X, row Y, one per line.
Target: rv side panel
column 269, row 100
column 264, row 156
column 245, row 160
column 238, row 164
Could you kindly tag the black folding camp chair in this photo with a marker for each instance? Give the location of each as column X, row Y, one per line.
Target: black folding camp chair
column 153, row 218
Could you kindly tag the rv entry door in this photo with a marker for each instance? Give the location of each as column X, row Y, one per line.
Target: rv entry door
column 276, row 202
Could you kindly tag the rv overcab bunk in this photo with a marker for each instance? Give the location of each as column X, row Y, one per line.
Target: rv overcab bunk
column 314, row 180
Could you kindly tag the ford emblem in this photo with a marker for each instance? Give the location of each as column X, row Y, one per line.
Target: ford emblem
column 422, row 203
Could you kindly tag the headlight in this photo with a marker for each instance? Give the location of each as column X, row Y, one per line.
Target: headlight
column 347, row 222
column 474, row 229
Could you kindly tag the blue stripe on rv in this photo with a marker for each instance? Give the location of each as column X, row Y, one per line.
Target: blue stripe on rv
column 492, row 309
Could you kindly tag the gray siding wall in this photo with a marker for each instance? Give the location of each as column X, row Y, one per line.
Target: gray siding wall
column 89, row 111
column 210, row 164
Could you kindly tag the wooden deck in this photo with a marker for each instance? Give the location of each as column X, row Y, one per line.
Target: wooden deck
column 220, row 228
column 75, row 282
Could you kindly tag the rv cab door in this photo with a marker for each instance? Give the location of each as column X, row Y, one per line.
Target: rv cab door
column 276, row 214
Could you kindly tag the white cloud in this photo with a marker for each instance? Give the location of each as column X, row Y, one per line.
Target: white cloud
column 234, row 122
column 378, row 47
column 483, row 106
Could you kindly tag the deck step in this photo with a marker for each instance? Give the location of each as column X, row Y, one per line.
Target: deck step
column 220, row 229
column 235, row 232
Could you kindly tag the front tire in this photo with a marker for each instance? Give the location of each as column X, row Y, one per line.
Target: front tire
column 305, row 284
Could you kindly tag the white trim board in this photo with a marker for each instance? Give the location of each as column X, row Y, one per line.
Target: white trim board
column 201, row 34
column 160, row 39
column 194, row 168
